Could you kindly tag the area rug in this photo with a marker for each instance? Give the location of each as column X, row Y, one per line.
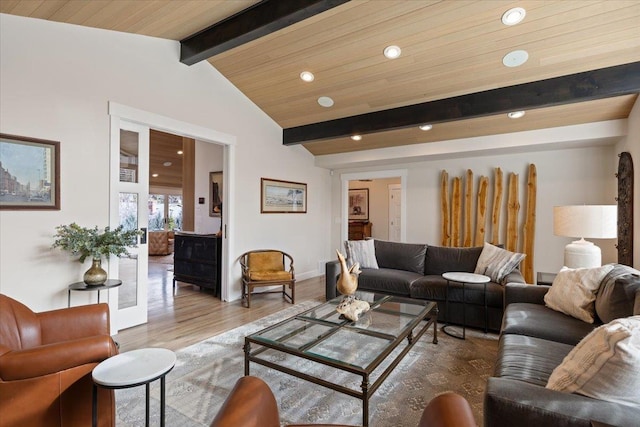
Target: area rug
column 206, row 372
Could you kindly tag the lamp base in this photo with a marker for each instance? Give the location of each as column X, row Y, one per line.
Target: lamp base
column 582, row 254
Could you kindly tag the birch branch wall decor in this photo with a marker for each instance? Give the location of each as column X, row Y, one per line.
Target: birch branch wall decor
column 457, row 213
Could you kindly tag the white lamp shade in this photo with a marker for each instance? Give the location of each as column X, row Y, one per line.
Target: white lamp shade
column 590, row 221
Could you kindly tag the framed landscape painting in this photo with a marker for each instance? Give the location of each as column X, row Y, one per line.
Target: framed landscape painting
column 282, row 196
column 29, row 173
column 215, row 194
column 359, row 204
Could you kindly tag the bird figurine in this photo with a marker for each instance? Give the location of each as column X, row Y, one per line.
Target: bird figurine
column 348, row 280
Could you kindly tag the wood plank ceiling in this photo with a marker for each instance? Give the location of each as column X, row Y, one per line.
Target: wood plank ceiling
column 449, row 48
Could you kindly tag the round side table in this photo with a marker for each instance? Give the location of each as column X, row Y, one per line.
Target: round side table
column 464, row 279
column 81, row 286
column 131, row 369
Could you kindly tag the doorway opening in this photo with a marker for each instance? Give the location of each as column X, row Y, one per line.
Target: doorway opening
column 123, row 116
column 368, row 210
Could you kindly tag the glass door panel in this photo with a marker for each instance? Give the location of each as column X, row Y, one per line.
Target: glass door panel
column 175, row 213
column 157, row 212
column 129, row 208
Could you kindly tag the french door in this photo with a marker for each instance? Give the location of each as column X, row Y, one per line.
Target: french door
column 129, row 188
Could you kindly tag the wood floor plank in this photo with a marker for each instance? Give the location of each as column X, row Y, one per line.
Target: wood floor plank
column 189, row 316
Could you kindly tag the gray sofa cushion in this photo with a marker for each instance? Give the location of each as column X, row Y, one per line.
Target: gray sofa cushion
column 529, row 359
column 535, row 320
column 434, row 288
column 385, row 280
column 440, row 259
column 616, row 298
column 400, row 256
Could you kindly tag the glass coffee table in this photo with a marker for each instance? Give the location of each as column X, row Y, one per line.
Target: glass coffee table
column 318, row 342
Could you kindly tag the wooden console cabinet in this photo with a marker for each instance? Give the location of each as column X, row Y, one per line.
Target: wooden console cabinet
column 359, row 230
column 196, row 260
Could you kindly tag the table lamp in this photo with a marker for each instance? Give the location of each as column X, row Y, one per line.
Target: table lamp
column 591, row 221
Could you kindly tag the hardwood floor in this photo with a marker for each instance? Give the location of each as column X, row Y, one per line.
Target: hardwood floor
column 189, row 316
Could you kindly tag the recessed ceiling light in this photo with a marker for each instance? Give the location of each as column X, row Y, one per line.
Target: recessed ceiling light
column 180, row 151
column 167, row 164
column 426, row 127
column 392, row 52
column 307, row 76
column 356, row 137
column 325, row 101
column 515, row 114
column 155, row 175
column 515, row 58
column 513, row 16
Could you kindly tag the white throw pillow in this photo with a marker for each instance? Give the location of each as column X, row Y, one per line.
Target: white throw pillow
column 361, row 251
column 604, row 365
column 573, row 291
column 496, row 262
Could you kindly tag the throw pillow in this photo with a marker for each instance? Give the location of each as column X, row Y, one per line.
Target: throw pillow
column 573, row 291
column 361, row 251
column 617, row 294
column 496, row 262
column 604, row 365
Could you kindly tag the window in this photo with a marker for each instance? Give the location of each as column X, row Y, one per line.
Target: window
column 165, row 212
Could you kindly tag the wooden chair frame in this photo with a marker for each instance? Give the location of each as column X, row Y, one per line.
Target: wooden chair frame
column 248, row 284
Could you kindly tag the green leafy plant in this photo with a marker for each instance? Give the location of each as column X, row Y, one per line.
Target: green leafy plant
column 91, row 242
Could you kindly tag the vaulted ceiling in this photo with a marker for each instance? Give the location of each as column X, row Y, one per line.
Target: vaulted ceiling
column 583, row 61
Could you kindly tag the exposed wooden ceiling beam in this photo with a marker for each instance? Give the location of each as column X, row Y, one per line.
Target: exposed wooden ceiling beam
column 252, row 23
column 580, row 87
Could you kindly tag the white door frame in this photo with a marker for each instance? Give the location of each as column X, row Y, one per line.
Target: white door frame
column 390, row 188
column 393, row 173
column 189, row 130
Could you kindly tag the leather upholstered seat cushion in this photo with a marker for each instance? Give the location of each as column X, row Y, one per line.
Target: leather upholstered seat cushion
column 387, row 280
column 536, row 320
column 529, row 359
column 434, row 288
column 270, row 275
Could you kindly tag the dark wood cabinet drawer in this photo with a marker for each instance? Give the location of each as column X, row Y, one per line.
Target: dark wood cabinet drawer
column 196, row 260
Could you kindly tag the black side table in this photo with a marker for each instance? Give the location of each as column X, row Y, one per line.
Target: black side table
column 81, row 286
column 545, row 278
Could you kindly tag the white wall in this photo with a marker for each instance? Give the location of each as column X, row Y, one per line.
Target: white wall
column 209, row 158
column 567, row 176
column 55, row 83
column 632, row 144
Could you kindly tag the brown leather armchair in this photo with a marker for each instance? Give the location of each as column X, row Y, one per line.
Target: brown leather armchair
column 252, row 404
column 161, row 242
column 46, row 361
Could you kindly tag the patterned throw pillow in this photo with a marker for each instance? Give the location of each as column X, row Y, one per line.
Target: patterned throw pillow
column 497, row 263
column 362, row 251
column 573, row 291
column 604, row 365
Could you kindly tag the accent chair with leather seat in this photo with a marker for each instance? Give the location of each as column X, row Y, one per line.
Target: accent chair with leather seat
column 46, row 361
column 251, row 403
column 161, row 242
column 267, row 267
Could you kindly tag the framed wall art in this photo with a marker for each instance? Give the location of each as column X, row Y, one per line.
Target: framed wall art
column 282, row 196
column 215, row 194
column 359, row 204
column 29, row 173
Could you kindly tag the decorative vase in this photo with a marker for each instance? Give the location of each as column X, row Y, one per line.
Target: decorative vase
column 95, row 276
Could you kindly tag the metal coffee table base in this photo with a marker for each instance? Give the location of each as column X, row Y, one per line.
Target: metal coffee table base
column 367, row 388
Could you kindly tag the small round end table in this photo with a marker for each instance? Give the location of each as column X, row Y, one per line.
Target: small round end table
column 131, row 369
column 81, row 286
column 464, row 278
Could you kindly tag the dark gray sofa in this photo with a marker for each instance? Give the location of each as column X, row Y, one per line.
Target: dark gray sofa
column 534, row 341
column 415, row 271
